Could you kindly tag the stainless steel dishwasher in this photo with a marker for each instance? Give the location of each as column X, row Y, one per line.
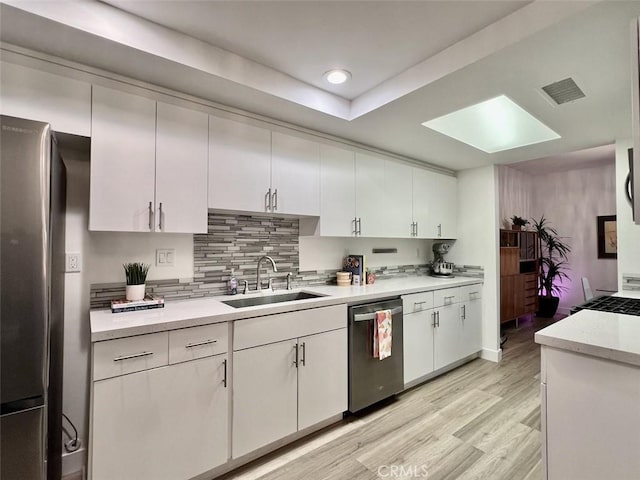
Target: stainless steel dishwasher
column 372, row 379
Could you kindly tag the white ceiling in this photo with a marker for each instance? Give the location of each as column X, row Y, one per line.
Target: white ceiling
column 411, row 62
column 588, row 158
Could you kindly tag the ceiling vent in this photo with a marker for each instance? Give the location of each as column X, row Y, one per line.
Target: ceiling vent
column 563, row 91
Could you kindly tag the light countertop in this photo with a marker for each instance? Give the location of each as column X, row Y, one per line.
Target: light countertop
column 611, row 336
column 189, row 313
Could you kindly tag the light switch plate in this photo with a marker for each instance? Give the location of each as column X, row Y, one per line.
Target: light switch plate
column 72, row 262
column 165, row 257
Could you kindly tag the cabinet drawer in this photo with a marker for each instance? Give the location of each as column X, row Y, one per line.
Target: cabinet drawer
column 417, row 302
column 471, row 292
column 197, row 342
column 284, row 326
column 446, row 296
column 132, row 354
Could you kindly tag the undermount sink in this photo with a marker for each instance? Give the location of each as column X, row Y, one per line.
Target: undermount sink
column 268, row 299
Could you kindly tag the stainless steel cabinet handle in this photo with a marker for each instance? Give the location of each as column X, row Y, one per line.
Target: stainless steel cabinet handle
column 439, row 229
column 224, row 379
column 363, row 317
column 438, row 318
column 416, row 229
column 295, row 362
column 160, row 216
column 199, row 344
column 275, row 200
column 420, row 303
column 267, row 201
column 135, row 355
column 151, row 216
column 355, row 225
column 433, row 319
column 359, row 225
column 304, row 354
column 464, row 312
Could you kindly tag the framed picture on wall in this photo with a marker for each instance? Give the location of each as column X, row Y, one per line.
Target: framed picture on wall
column 607, row 237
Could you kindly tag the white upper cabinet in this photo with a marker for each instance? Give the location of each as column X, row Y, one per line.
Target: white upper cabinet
column 63, row 102
column 181, row 170
column 434, row 204
column 370, row 196
column 337, row 192
column 295, row 175
column 397, row 213
column 148, row 165
column 252, row 169
column 123, row 157
column 239, row 166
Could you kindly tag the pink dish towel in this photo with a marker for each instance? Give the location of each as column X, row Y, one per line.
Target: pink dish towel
column 382, row 335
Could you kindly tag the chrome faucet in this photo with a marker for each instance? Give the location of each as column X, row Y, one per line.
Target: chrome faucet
column 273, row 264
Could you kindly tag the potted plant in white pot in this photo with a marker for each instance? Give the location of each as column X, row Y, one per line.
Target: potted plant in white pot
column 136, row 275
column 553, row 267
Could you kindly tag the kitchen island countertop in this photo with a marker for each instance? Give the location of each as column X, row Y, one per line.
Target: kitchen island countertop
column 189, row 313
column 610, row 336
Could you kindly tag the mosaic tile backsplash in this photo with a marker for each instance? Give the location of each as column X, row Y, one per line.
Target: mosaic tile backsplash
column 236, row 242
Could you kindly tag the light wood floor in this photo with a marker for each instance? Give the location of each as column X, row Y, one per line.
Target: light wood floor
column 480, row 421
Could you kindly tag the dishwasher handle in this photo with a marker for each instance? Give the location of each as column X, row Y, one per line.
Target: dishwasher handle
column 363, row 317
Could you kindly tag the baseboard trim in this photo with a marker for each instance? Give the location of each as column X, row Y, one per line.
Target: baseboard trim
column 74, row 462
column 491, row 355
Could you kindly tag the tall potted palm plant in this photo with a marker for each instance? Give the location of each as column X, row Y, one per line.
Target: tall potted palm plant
column 553, row 267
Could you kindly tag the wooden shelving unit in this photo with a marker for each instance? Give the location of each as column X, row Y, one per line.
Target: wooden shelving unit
column 519, row 267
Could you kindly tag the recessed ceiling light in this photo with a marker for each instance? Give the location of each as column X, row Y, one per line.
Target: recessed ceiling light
column 337, row 77
column 493, row 126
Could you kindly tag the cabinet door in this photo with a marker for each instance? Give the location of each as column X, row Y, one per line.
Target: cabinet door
column 322, row 377
column 417, row 344
column 422, row 204
column 337, row 192
column 123, row 159
column 63, row 102
column 239, row 165
column 447, row 200
column 370, row 195
column 471, row 327
column 436, row 204
column 295, row 175
column 264, row 396
column 398, row 215
column 447, row 336
column 166, row 423
column 182, row 139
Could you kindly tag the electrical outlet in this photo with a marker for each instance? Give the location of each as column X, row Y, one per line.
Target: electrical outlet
column 72, row 262
column 165, row 257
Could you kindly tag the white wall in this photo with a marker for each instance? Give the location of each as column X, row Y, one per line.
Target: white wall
column 571, row 201
column 628, row 232
column 109, row 250
column 514, row 195
column 478, row 244
column 77, row 347
column 327, row 253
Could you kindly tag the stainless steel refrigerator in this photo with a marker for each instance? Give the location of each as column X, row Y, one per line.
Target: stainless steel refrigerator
column 32, row 220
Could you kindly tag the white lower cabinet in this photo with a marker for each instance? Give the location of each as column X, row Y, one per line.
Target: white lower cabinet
column 164, row 423
column 322, row 372
column 160, row 405
column 590, row 417
column 447, row 336
column 264, row 395
column 440, row 328
column 281, row 386
column 418, row 345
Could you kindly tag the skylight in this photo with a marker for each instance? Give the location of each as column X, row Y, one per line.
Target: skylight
column 492, row 126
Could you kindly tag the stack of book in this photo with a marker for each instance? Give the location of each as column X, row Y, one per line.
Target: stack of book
column 149, row 301
column 356, row 265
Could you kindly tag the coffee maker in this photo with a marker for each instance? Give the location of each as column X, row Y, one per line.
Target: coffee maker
column 439, row 267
